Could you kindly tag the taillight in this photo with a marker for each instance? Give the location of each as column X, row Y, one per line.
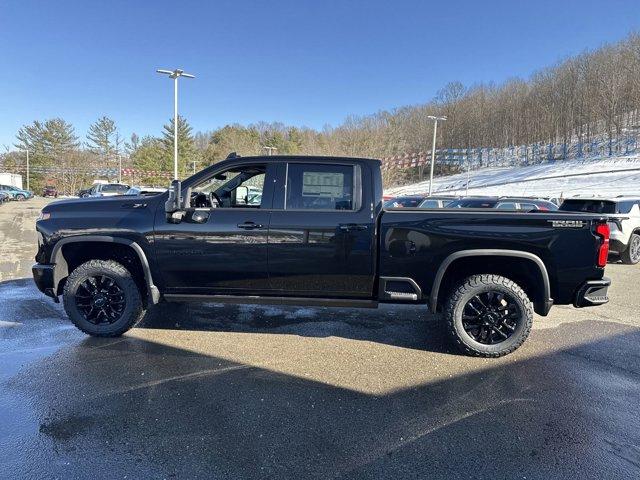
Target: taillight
column 602, row 230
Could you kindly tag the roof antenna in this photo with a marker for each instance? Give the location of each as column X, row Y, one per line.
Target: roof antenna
column 232, row 155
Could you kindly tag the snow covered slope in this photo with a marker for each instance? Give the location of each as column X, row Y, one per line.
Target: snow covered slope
column 609, row 176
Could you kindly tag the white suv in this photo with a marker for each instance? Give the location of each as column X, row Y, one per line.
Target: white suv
column 624, row 222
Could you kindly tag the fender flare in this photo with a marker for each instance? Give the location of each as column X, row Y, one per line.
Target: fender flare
column 547, row 301
column 62, row 269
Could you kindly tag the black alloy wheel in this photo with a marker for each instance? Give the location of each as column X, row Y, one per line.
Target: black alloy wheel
column 488, row 315
column 491, row 317
column 100, row 300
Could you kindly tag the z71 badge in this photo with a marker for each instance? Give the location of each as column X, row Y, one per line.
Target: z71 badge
column 567, row 223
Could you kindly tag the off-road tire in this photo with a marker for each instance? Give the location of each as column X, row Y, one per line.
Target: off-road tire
column 630, row 255
column 479, row 284
column 133, row 309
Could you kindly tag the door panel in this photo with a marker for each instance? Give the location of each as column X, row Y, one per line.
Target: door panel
column 311, row 255
column 223, row 249
column 220, row 255
column 314, row 251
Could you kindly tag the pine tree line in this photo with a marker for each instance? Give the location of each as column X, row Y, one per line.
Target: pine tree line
column 590, row 95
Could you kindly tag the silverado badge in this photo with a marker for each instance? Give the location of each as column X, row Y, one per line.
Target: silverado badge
column 567, row 223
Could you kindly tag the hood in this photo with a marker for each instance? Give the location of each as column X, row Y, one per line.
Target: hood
column 96, row 204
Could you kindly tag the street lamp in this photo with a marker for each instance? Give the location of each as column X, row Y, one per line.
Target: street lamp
column 175, row 74
column 26, row 150
column 433, row 148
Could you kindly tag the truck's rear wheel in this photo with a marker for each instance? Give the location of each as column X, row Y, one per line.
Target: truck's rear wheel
column 631, row 256
column 488, row 315
column 102, row 298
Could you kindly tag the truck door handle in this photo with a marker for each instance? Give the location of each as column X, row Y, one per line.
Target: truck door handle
column 350, row 227
column 249, row 225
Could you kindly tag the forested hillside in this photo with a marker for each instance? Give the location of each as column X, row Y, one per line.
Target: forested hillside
column 592, row 94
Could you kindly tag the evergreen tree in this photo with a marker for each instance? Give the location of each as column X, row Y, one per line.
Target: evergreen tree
column 48, row 143
column 102, row 136
column 149, row 156
column 186, row 146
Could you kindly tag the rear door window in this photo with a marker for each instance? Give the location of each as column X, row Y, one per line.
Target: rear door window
column 506, row 206
column 319, row 187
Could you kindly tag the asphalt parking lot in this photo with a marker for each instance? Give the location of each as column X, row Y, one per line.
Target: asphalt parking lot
column 212, row 391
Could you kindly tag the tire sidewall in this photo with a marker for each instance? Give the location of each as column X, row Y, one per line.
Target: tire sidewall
column 522, row 328
column 133, row 305
column 635, row 238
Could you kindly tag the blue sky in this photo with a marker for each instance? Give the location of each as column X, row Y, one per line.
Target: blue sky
column 299, row 62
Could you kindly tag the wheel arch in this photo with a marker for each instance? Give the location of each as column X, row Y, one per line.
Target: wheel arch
column 541, row 296
column 61, row 271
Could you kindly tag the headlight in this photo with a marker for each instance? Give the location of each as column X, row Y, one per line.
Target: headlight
column 44, row 216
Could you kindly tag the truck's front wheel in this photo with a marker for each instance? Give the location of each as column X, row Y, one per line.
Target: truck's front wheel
column 488, row 315
column 102, row 298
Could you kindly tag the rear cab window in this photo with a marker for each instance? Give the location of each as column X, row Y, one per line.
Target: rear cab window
column 588, row 206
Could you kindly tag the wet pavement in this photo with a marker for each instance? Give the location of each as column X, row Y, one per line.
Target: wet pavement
column 212, row 391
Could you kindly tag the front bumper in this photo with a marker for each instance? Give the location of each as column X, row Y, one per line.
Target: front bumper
column 592, row 293
column 43, row 277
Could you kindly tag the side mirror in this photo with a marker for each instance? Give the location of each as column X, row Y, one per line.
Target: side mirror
column 172, row 206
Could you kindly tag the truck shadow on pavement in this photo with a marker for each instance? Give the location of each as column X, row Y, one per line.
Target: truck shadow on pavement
column 406, row 326
column 190, row 402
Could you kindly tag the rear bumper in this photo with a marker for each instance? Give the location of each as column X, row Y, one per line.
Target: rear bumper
column 592, row 293
column 617, row 246
column 43, row 277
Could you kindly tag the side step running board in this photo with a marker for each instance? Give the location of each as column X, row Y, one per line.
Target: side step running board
column 266, row 300
column 399, row 289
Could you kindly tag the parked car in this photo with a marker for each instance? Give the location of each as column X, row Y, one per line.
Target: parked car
column 324, row 240
column 405, row 201
column 50, row 191
column 16, row 193
column 85, row 192
column 624, row 222
column 108, row 189
column 145, row 191
column 437, row 202
column 505, row 203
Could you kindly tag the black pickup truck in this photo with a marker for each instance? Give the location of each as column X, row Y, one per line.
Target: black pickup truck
column 313, row 231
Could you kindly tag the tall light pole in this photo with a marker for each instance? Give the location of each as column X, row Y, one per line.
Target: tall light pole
column 175, row 74
column 27, row 152
column 433, row 148
column 468, row 175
